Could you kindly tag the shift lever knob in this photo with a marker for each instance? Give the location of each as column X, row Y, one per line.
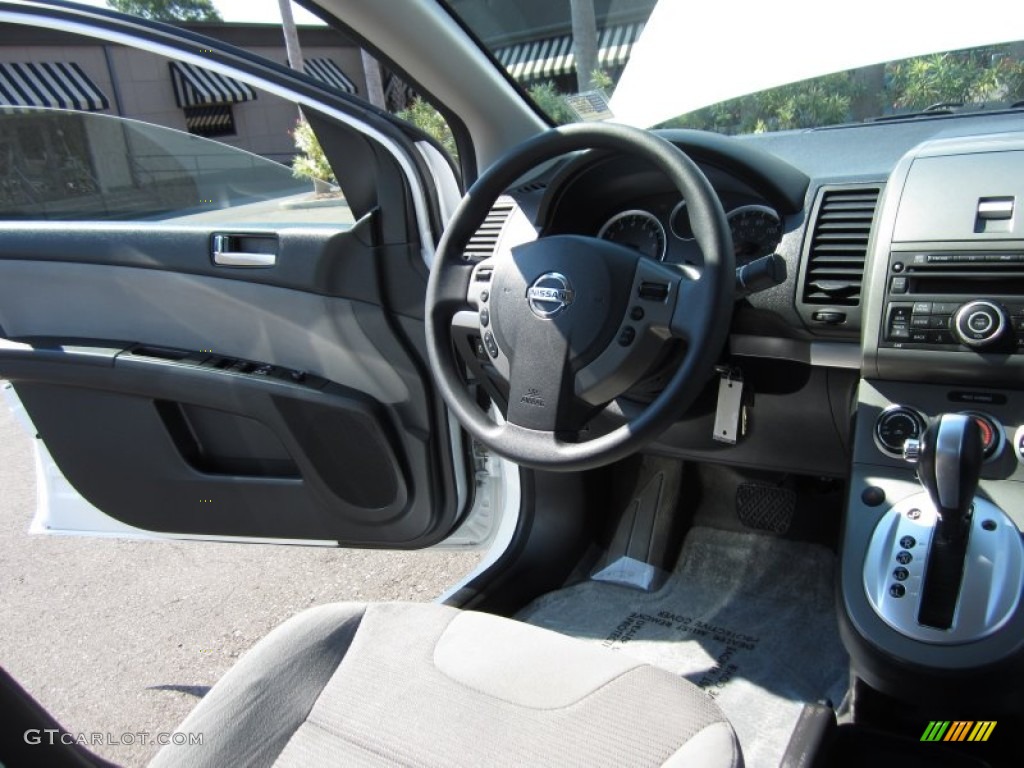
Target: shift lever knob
column 949, row 458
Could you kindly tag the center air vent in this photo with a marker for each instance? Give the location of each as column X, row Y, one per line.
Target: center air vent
column 839, row 244
column 483, row 244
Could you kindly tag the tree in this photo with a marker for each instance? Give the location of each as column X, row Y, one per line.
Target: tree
column 291, row 36
column 584, row 42
column 168, row 10
column 421, row 114
column 374, row 81
column 311, row 162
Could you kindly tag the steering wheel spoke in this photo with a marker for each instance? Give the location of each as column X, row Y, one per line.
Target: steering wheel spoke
column 540, row 382
column 690, row 309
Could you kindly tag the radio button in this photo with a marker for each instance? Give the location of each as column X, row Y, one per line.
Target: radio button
column 920, row 321
column 922, row 307
column 944, row 308
column 979, row 323
column 920, row 337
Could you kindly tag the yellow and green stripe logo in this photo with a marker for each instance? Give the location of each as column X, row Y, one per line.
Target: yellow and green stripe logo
column 958, row 730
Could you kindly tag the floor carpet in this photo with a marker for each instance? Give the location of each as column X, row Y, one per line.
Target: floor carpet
column 748, row 618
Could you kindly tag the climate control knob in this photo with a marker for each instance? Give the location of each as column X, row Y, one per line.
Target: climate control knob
column 895, row 426
column 979, row 323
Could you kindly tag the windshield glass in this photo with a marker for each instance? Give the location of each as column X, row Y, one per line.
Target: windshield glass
column 735, row 68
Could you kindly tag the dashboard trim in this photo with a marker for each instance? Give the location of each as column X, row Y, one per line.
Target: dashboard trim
column 824, row 354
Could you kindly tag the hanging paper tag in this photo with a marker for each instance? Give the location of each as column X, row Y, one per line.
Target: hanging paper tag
column 729, row 414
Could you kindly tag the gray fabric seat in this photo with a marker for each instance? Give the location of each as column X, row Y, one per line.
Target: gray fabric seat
column 426, row 685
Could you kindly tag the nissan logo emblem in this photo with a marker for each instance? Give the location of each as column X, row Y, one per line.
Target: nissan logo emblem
column 550, row 294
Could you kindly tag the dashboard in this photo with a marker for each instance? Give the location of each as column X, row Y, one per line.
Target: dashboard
column 903, row 301
column 820, row 200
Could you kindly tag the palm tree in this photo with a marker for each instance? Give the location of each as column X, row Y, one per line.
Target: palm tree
column 584, row 41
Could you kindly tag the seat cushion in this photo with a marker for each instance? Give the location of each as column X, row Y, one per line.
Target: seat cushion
column 427, row 685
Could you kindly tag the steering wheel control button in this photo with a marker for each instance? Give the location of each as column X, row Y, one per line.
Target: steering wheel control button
column 903, row 557
column 988, row 525
column 979, row 323
column 901, row 574
column 485, row 317
column 484, row 296
column 897, row 590
column 652, row 291
column 1018, row 444
column 914, row 514
column 627, row 336
column 908, row 542
column 491, row 344
column 550, row 295
column 637, row 314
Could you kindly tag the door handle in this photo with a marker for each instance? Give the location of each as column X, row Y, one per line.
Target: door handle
column 225, row 255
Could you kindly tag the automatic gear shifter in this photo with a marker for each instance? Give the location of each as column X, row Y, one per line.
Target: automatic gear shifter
column 949, row 457
column 944, row 566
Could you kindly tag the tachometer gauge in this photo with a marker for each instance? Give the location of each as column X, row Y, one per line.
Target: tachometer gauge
column 756, row 232
column 639, row 230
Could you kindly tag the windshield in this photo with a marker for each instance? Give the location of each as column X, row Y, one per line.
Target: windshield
column 746, row 68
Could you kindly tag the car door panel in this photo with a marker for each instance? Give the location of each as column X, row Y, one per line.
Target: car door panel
column 186, row 397
column 180, row 402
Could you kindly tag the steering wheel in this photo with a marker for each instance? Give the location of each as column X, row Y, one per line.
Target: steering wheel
column 571, row 322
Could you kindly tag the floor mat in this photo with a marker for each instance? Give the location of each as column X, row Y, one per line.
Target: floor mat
column 748, row 618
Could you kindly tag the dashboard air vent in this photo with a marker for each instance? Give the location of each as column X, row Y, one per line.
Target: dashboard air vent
column 839, row 245
column 482, row 244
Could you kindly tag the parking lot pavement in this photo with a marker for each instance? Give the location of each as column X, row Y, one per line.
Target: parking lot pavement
column 122, row 637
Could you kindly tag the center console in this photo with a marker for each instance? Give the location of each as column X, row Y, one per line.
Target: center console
column 932, row 554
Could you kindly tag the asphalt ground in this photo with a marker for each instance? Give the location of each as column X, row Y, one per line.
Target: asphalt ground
column 121, row 638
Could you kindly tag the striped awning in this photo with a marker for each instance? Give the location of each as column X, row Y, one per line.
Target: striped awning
column 554, row 56
column 329, row 73
column 57, row 84
column 197, row 87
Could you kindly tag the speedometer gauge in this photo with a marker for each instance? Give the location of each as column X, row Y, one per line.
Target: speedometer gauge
column 756, row 232
column 639, row 230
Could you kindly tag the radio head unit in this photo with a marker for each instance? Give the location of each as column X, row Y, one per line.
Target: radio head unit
column 955, row 301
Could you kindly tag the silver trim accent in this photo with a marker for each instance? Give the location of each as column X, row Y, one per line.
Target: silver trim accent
column 642, row 214
column 826, row 354
column 992, row 580
column 967, row 309
column 949, row 445
column 896, row 407
column 223, row 257
column 237, row 259
column 548, row 301
column 911, row 450
column 672, row 217
column 995, row 209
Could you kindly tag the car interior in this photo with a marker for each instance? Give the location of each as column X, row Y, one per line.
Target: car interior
column 746, row 414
